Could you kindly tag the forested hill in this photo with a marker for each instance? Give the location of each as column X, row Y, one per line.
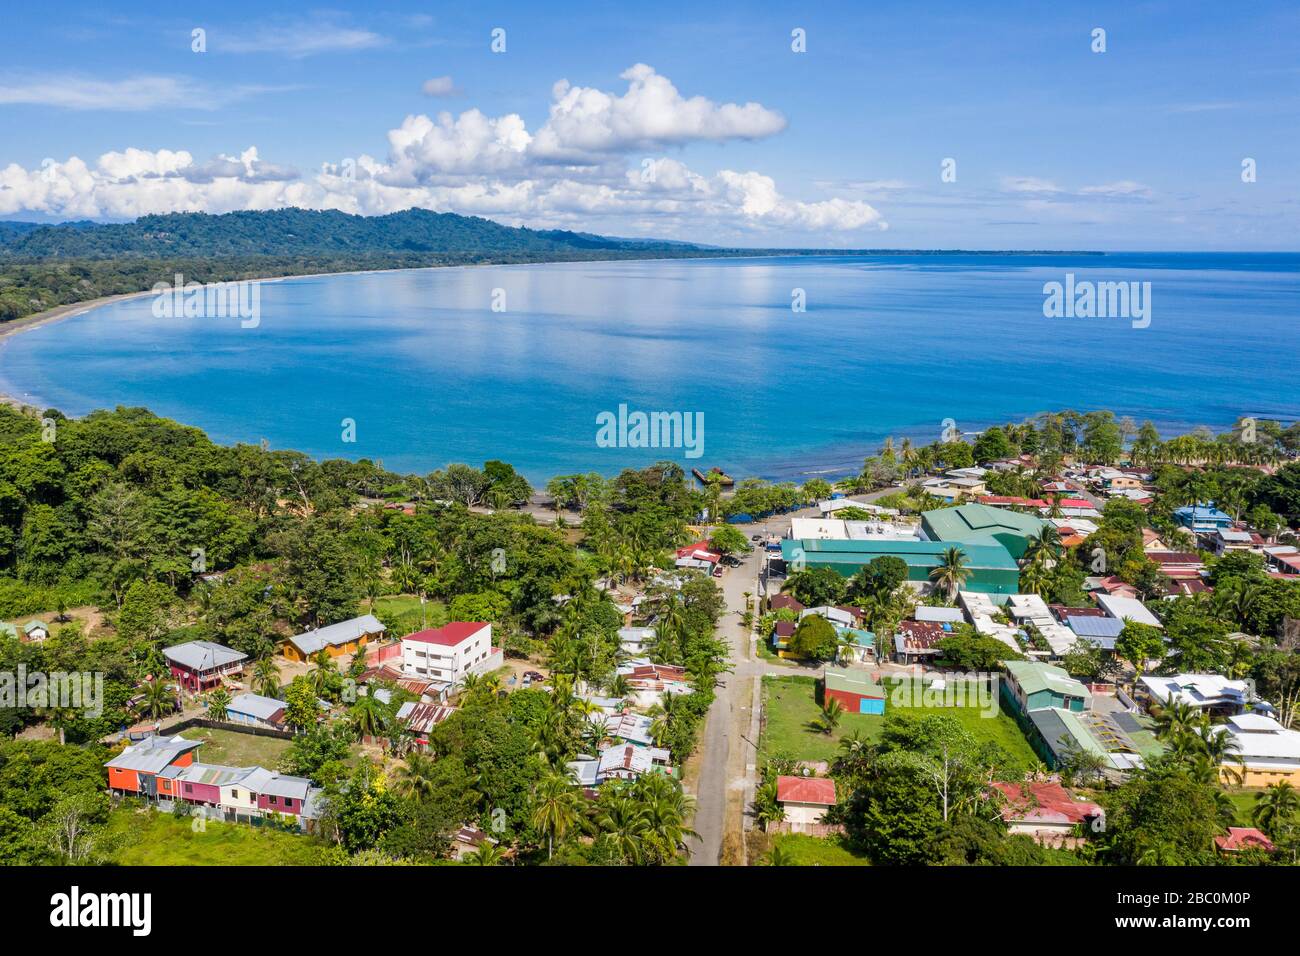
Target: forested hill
column 42, row 267
column 300, row 232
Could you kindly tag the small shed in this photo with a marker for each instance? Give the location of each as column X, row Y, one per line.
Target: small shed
column 854, row 688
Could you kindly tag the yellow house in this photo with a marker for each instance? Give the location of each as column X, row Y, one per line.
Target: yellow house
column 345, row 637
column 1269, row 752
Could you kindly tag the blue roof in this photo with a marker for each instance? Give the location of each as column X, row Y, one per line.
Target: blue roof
column 1205, row 512
column 1102, row 630
column 1089, row 626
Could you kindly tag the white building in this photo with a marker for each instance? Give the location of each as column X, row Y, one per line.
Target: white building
column 449, row 653
column 1269, row 752
column 1127, row 609
column 1209, row 692
column 805, row 801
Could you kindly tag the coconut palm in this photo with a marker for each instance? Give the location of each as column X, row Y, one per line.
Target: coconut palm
column 159, row 699
column 1045, row 547
column 487, row 854
column 218, row 701
column 1176, row 717
column 369, row 716
column 623, row 819
column 555, row 808
column 415, row 777
column 777, row 856
column 832, row 712
column 951, row 572
column 766, row 808
column 1276, row 808
column 266, row 677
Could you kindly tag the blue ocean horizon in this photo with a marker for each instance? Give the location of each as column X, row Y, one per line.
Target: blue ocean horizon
column 889, row 345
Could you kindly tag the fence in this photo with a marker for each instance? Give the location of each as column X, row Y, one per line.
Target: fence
column 238, row 728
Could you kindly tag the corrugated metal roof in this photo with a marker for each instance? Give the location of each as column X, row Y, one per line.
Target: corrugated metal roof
column 344, row 632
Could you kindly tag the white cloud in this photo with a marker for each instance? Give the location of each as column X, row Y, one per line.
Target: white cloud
column 650, row 115
column 1123, row 189
column 85, row 93
column 439, row 86
column 1028, row 184
column 590, row 171
column 298, row 39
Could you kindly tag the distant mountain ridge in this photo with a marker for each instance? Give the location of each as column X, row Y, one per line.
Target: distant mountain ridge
column 297, row 232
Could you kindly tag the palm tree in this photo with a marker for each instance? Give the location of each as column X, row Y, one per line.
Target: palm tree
column 1176, row 717
column 266, row 677
column 416, row 776
column 766, row 808
column 1276, row 808
column 487, row 854
column 951, row 573
column 369, row 716
column 1044, row 547
column 778, row 856
column 322, row 672
column 831, row 713
column 159, row 699
column 555, row 808
column 624, row 820
column 1223, row 750
column 218, row 701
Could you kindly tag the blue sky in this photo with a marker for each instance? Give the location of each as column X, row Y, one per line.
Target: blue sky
column 692, row 120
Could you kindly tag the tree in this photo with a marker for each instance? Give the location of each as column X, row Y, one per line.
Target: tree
column 728, row 540
column 880, row 577
column 815, row 587
column 218, row 701
column 1138, row 643
column 814, row 638
column 951, row 572
column 555, row 808
column 159, row 699
column 301, row 709
column 266, row 677
column 832, row 712
column 1276, row 809
column 73, row 830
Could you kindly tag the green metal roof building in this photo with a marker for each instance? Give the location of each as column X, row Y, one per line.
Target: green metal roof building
column 993, row 569
column 982, row 524
column 1033, row 685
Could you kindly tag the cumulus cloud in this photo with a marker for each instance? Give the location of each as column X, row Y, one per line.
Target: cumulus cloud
column 591, row 168
column 650, row 115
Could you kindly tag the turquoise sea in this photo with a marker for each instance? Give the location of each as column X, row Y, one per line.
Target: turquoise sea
column 888, row 345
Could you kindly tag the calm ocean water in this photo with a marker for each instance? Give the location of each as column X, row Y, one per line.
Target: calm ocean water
column 889, row 345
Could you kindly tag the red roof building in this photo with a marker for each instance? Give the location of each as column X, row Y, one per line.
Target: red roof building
column 449, row 635
column 816, row 791
column 1244, row 838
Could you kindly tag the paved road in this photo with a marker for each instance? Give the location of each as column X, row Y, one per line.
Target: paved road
column 728, row 749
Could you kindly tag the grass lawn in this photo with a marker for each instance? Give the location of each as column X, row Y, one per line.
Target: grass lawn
column 406, row 607
column 1243, row 798
column 790, row 707
column 150, row 838
column 813, row 851
column 234, row 749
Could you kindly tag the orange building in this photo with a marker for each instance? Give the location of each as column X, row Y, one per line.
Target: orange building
column 345, row 637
